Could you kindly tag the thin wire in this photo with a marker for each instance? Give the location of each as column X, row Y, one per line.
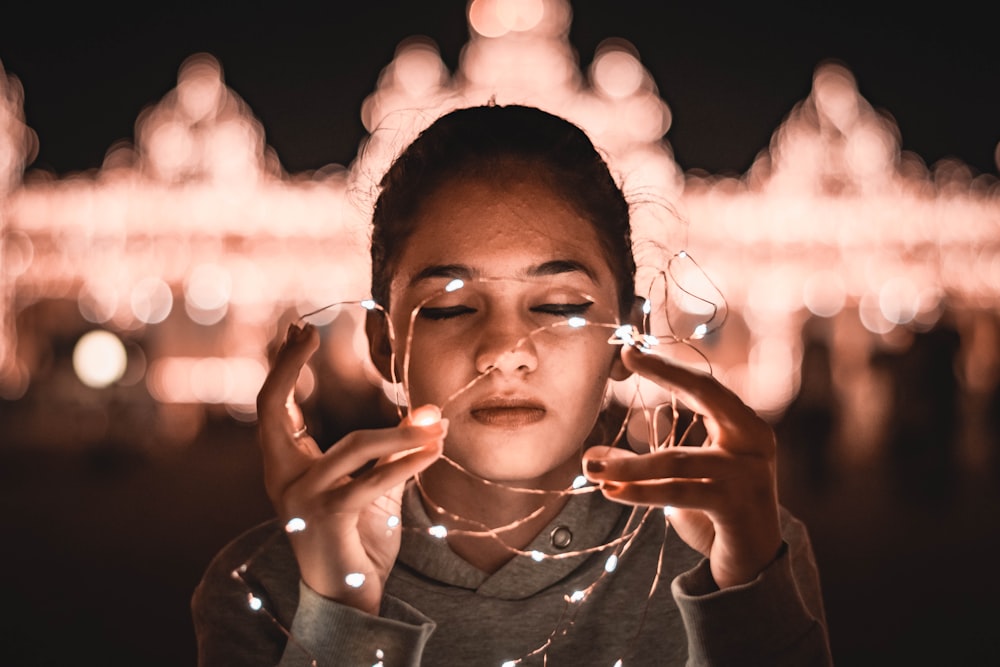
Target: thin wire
column 622, row 543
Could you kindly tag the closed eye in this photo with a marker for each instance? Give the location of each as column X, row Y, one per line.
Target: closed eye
column 564, row 309
column 445, row 313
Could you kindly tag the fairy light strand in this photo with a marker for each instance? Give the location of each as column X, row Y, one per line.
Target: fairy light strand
column 625, row 335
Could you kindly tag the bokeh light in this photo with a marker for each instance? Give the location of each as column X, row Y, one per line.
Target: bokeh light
column 194, row 245
column 99, row 358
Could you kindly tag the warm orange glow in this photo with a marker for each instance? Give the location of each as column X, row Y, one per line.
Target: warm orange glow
column 616, row 71
column 495, row 18
column 231, row 380
column 151, row 300
column 196, row 235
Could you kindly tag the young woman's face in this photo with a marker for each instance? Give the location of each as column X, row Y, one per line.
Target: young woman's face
column 522, row 388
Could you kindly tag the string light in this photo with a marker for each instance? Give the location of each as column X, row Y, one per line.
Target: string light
column 629, row 335
column 611, row 564
column 295, row 525
column 622, row 334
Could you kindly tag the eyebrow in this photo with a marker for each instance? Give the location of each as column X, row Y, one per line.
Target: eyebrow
column 442, row 271
column 558, row 266
column 551, row 268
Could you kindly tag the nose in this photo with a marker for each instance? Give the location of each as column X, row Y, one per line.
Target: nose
column 506, row 348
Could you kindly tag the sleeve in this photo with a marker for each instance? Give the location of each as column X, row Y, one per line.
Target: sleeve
column 777, row 619
column 331, row 634
column 251, row 609
column 237, row 619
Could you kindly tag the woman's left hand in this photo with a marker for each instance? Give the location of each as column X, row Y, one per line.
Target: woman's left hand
column 724, row 493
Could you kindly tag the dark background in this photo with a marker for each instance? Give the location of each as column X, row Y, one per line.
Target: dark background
column 103, row 545
column 729, row 71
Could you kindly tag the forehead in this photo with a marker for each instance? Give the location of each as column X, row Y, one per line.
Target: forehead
column 499, row 228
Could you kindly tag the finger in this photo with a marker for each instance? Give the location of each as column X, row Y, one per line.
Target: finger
column 700, row 494
column 621, row 465
column 358, row 448
column 284, row 445
column 299, row 345
column 386, row 476
column 726, row 415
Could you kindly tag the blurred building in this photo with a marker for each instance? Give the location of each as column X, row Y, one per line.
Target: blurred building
column 142, row 297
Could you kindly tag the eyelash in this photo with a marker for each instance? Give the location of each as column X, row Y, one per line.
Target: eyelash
column 557, row 309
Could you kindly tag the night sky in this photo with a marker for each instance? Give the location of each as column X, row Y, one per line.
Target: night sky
column 729, row 75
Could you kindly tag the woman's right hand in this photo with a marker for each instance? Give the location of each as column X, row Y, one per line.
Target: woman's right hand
column 351, row 523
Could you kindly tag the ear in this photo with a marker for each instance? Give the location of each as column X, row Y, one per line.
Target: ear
column 379, row 345
column 635, row 318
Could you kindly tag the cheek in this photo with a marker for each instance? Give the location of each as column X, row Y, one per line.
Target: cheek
column 585, row 368
column 433, row 371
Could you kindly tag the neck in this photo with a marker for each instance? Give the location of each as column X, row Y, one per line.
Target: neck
column 488, row 521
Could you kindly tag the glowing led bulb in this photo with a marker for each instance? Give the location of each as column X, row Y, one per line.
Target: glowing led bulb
column 508, row 663
column 537, row 556
column 438, row 531
column 647, row 307
column 624, row 334
column 426, row 415
column 576, row 322
column 682, row 254
column 618, row 663
column 368, row 304
column 612, row 564
column 355, row 579
column 295, row 525
column 455, row 284
column 700, row 331
column 392, row 521
column 255, row 602
column 668, row 510
column 579, row 482
column 577, row 596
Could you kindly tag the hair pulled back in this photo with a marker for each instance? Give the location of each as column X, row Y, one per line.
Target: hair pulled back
column 488, row 141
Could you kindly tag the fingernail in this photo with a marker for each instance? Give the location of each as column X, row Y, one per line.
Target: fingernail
column 594, row 465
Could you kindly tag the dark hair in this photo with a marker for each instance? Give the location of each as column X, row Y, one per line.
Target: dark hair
column 484, row 141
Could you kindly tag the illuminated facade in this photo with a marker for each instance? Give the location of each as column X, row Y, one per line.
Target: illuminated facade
column 193, row 248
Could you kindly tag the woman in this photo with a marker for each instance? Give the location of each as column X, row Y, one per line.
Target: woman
column 502, row 258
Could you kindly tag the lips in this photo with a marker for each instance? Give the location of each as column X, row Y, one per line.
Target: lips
column 507, row 412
